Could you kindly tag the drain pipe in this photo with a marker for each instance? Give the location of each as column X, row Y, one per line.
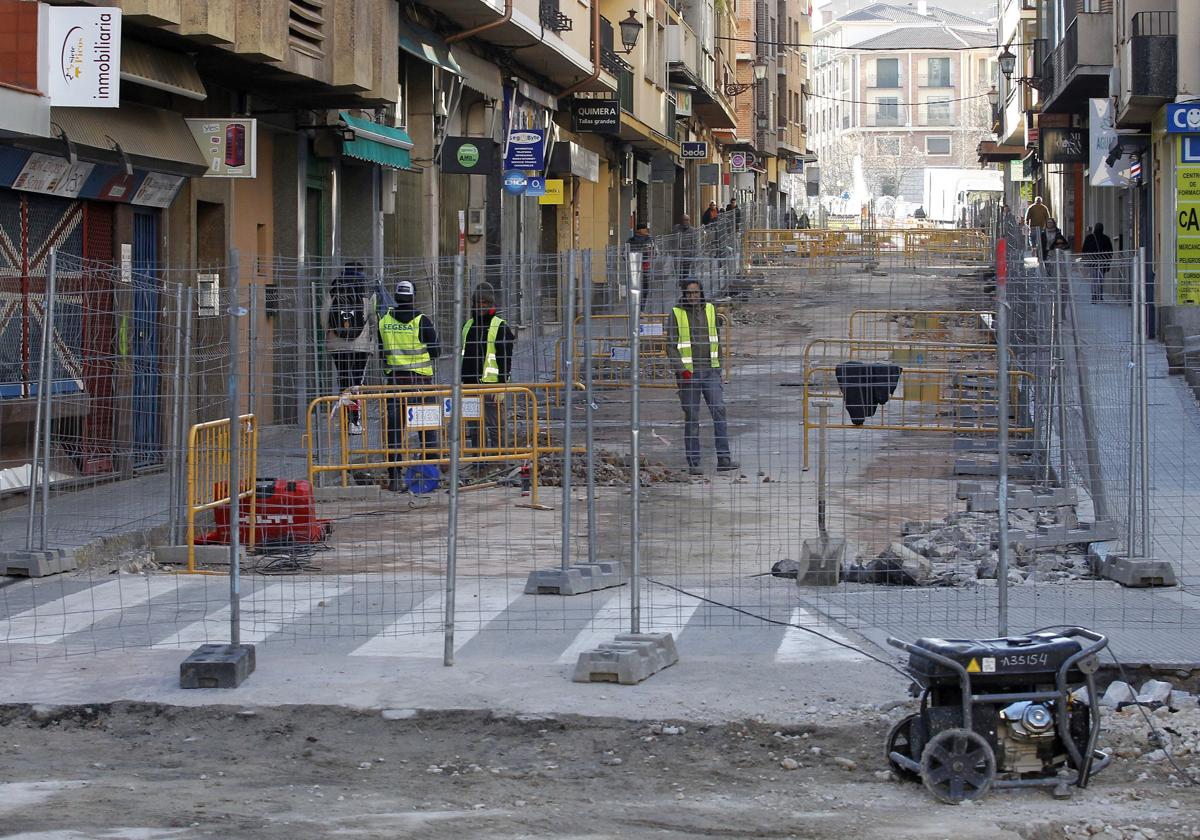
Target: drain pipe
column 595, row 74
column 467, row 33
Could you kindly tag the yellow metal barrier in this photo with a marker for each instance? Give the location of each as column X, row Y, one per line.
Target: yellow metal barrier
column 612, row 353
column 927, row 325
column 913, row 356
column 208, row 474
column 819, row 248
column 423, row 415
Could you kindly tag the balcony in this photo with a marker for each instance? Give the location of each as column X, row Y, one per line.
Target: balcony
column 937, row 80
column 1078, row 68
column 684, row 61
column 885, row 82
column 1148, row 73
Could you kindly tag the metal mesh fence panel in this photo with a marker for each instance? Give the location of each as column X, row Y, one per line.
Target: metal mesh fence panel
column 873, row 351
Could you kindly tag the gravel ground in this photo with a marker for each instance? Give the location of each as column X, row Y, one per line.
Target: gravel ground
column 136, row 771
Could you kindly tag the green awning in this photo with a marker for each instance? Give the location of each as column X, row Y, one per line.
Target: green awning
column 427, row 46
column 377, row 143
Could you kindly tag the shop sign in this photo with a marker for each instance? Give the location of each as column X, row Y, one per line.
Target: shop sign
column 689, row 150
column 597, row 116
column 229, row 146
column 526, row 149
column 1187, row 231
column 84, row 54
column 514, row 182
column 1064, row 145
column 739, row 162
column 468, row 155
column 535, row 186
column 1183, row 118
column 1102, row 134
column 554, row 192
column 710, row 174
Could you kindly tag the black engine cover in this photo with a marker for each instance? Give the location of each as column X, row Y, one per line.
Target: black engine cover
column 1011, row 661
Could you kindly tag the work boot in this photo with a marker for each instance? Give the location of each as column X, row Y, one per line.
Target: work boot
column 725, row 464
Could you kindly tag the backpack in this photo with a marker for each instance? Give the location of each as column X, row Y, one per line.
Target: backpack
column 346, row 318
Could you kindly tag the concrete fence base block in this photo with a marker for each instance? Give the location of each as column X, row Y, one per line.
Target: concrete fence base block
column 1052, row 536
column 990, row 446
column 206, row 555
column 1133, row 572
column 353, row 493
column 981, row 499
column 977, row 466
column 217, row 666
column 627, row 660
column 573, row 580
column 36, row 563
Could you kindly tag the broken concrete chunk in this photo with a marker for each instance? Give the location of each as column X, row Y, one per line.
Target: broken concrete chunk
column 1118, row 692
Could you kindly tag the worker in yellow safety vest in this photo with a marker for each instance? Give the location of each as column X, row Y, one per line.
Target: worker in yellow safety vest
column 408, row 342
column 487, row 348
column 694, row 348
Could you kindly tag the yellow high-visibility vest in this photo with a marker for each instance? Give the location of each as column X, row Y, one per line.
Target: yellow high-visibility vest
column 685, row 336
column 403, row 349
column 491, row 367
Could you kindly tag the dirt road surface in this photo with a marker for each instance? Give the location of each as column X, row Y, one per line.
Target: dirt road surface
column 141, row 771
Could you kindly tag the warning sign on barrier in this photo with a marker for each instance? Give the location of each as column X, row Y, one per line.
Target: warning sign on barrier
column 424, row 417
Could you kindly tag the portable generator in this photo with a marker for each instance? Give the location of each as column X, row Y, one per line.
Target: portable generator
column 1001, row 713
column 285, row 514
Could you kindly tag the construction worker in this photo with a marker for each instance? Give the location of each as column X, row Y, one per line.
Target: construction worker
column 487, row 346
column 409, row 343
column 693, row 346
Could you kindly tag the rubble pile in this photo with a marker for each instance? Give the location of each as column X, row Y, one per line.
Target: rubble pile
column 960, row 550
column 612, row 470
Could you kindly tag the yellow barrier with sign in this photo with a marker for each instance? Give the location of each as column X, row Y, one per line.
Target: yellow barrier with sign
column 823, row 248
column 208, row 474
column 927, row 325
column 404, row 427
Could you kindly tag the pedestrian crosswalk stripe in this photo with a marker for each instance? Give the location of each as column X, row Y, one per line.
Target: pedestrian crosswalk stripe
column 55, row 620
column 662, row 611
column 263, row 612
column 477, row 603
column 800, row 646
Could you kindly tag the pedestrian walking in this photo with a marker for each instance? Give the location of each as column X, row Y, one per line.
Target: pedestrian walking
column 1036, row 217
column 687, row 240
column 710, row 214
column 487, row 348
column 1097, row 257
column 348, row 313
column 409, row 343
column 642, row 243
column 693, row 346
column 1050, row 234
column 804, row 223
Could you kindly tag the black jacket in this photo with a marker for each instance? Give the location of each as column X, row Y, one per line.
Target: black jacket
column 475, row 348
column 866, row 386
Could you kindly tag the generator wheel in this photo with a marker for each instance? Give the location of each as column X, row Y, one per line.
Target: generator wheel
column 899, row 740
column 958, row 764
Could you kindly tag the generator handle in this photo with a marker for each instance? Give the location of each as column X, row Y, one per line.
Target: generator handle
column 964, row 678
column 1083, row 761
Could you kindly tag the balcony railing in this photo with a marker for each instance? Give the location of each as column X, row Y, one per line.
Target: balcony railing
column 552, row 17
column 937, row 80
column 1151, row 57
column 1086, row 43
column 885, row 82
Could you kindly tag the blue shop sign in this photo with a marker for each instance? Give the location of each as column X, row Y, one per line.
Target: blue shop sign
column 1183, row 118
column 535, row 186
column 515, row 182
column 526, row 149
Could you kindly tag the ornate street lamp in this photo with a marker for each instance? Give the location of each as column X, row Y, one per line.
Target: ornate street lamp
column 631, row 28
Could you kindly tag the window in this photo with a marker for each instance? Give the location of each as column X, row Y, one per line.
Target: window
column 887, row 146
column 887, row 111
column 937, row 145
column 937, row 111
column 887, row 72
column 939, row 72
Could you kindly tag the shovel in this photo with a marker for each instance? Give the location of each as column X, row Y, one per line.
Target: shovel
column 821, row 559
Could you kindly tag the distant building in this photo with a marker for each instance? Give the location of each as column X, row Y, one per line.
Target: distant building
column 905, row 87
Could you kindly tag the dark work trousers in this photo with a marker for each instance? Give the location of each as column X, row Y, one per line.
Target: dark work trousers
column 706, row 382
column 491, row 421
column 350, row 367
column 396, row 419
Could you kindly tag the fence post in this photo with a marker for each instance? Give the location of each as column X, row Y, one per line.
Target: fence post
column 587, row 393
column 455, row 451
column 635, row 466
column 1087, row 413
column 1144, row 403
column 176, row 426
column 41, row 422
column 182, row 500
column 568, row 407
column 1002, row 430
column 236, row 311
